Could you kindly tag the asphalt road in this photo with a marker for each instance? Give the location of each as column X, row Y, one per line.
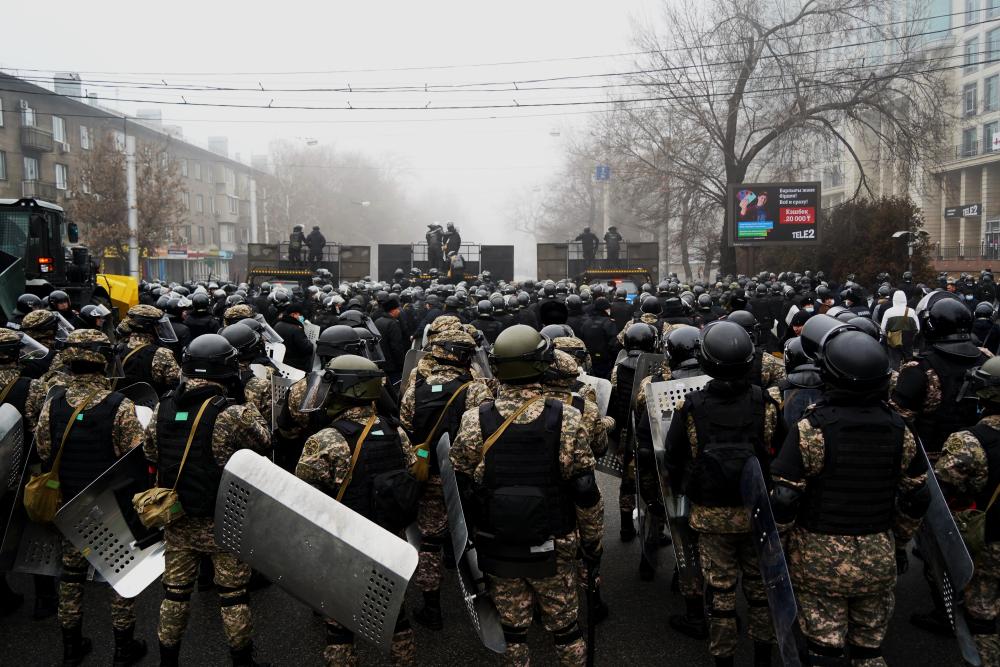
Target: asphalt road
column 287, row 633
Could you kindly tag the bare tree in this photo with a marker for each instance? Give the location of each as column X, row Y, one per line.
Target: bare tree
column 756, row 77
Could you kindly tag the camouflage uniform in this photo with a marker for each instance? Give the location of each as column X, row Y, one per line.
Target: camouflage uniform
column 963, row 470
column 236, row 427
column 164, row 368
column 772, row 370
column 325, row 462
column 127, row 434
column 36, row 394
column 647, row 318
column 233, row 314
column 425, row 366
column 432, row 515
column 626, row 489
column 725, row 546
column 258, row 390
column 560, row 386
column 845, row 583
column 557, row 596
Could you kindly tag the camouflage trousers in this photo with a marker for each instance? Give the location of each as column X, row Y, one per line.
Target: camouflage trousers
column 982, row 604
column 340, row 651
column 557, row 598
column 186, row 541
column 74, row 575
column 432, row 521
column 626, row 490
column 727, row 559
column 860, row 622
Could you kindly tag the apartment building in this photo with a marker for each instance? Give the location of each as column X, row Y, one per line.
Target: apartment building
column 44, row 132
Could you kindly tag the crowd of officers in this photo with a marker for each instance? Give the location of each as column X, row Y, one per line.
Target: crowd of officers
column 832, row 387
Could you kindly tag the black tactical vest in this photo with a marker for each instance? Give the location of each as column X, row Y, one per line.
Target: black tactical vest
column 757, row 371
column 989, row 438
column 381, row 452
column 799, row 390
column 139, row 367
column 525, row 500
column 951, row 414
column 198, row 485
column 625, row 377
column 89, row 448
column 18, row 394
column 429, row 401
column 855, row 494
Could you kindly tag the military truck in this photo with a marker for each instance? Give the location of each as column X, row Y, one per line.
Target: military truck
column 40, row 253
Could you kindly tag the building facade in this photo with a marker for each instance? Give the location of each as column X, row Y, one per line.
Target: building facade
column 44, row 134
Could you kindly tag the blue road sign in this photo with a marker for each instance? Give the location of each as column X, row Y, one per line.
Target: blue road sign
column 602, row 173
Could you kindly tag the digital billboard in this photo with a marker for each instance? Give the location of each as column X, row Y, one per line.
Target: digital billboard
column 774, row 214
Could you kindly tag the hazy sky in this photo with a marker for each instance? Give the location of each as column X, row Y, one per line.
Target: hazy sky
column 295, row 44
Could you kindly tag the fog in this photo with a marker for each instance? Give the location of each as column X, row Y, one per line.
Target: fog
column 471, row 161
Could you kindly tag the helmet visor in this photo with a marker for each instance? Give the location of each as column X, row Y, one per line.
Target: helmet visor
column 31, row 348
column 267, row 331
column 63, row 327
column 317, row 390
column 164, row 330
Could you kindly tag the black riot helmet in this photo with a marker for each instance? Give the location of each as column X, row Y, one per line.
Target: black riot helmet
column 338, row 340
column 650, row 306
column 681, row 347
column 815, row 330
column 867, row 326
column 200, row 303
column 795, row 357
column 352, row 318
column 29, row 302
column 984, row 310
column 853, row 361
column 246, row 341
column 485, row 308
column 58, row 298
column 641, row 336
column 210, row 357
column 93, row 315
column 948, row 320
column 745, row 319
column 725, row 350
column 554, row 331
column 984, row 382
column 574, row 304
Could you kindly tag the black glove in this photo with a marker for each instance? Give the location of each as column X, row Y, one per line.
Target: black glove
column 902, row 561
column 591, row 553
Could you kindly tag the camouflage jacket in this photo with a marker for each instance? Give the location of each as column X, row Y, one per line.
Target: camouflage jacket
column 35, row 399
column 648, row 318
column 126, row 432
column 772, row 370
column 164, row 367
column 258, row 392
column 575, row 456
column 326, row 456
column 477, row 393
column 236, row 427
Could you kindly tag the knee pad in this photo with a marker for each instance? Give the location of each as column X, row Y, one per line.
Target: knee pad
column 177, row 593
column 515, row 635
column 230, row 597
column 567, row 635
column 72, row 575
column 338, row 635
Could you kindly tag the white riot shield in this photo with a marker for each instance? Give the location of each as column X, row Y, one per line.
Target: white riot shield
column 661, row 401
column 142, row 394
column 144, row 415
column 602, row 388
column 481, row 363
column 11, row 448
column 27, row 547
column 482, row 612
column 261, row 371
column 279, row 395
column 410, row 362
column 275, row 351
column 102, row 524
column 288, row 372
column 312, row 331
column 334, row 560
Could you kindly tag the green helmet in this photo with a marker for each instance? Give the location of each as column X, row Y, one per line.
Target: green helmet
column 521, row 355
column 984, row 381
column 355, row 378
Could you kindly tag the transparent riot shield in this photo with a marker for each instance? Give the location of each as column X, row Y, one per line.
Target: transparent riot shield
column 332, row 559
column 943, row 550
column 661, row 402
column 602, row 388
column 410, row 362
column 102, row 524
column 279, row 396
column 312, row 331
column 27, row 547
column 771, row 560
column 482, row 612
column 649, row 524
column 11, row 448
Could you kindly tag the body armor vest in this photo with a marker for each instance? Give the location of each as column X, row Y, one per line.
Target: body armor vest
column 989, row 438
column 855, row 494
column 429, row 401
column 139, row 368
column 18, row 394
column 623, row 390
column 89, row 448
column 951, row 414
column 799, row 390
column 198, row 485
column 757, row 370
column 381, row 452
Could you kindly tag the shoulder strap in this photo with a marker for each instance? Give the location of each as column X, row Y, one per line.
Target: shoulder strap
column 69, row 425
column 187, row 446
column 437, row 424
column 6, row 390
column 490, row 441
column 356, row 454
column 129, row 355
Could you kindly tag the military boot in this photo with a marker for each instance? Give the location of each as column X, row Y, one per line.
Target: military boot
column 46, row 598
column 75, row 646
column 128, row 649
column 692, row 622
column 627, row 531
column 169, row 655
column 761, row 654
column 429, row 615
column 243, row 657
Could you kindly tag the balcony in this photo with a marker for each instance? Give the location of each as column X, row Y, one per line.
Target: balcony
column 40, row 190
column 35, row 139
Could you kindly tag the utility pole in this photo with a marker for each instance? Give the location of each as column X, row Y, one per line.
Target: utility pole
column 133, row 209
column 253, row 210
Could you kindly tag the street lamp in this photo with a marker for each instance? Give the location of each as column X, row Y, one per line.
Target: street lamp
column 914, row 238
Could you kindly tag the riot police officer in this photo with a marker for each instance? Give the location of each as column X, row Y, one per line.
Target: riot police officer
column 432, row 406
column 147, row 333
column 104, row 428
column 207, row 419
column 331, row 462
column 712, row 434
column 200, row 319
column 767, row 371
column 850, row 451
column 485, row 321
column 525, row 458
column 801, row 386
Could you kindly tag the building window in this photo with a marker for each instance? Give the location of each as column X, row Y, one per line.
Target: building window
column 215, row 236
column 201, row 235
column 234, row 205
column 197, row 171
column 58, row 129
column 969, row 99
column 62, row 176
column 184, row 167
column 84, row 138
column 992, row 8
column 211, row 201
column 119, row 140
column 969, row 142
column 186, row 200
column 84, row 186
column 27, row 114
column 30, row 169
column 199, row 203
column 244, row 235
column 230, row 179
column 208, row 173
column 993, row 45
column 971, row 55
column 3, row 166
column 228, row 234
column 991, row 138
column 1, row 112
column 991, row 93
column 970, row 11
